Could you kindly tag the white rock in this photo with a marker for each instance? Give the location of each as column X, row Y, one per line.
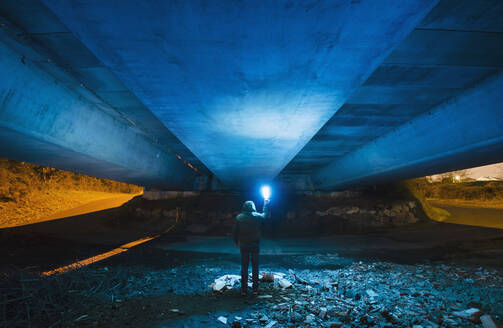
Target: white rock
column 371, row 293
column 472, row 314
column 270, row 324
column 226, row 282
column 222, row 320
column 218, row 286
column 283, row 283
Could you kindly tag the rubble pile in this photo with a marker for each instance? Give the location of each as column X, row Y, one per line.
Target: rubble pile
column 380, row 295
column 230, row 281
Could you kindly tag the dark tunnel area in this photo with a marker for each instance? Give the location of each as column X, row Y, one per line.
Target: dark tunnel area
column 382, row 255
column 251, row 164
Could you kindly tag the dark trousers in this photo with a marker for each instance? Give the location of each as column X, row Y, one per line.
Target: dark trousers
column 246, row 253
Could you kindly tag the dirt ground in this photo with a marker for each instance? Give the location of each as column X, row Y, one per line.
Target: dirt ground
column 424, row 275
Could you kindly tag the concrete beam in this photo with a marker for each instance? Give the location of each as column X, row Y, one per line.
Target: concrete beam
column 44, row 121
column 463, row 132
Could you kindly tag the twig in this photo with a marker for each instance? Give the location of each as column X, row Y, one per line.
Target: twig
column 15, row 300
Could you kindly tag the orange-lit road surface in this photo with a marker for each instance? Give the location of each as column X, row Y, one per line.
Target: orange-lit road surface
column 94, row 206
column 113, row 252
column 491, row 217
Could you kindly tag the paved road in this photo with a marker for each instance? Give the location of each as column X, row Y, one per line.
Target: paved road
column 98, row 205
column 475, row 216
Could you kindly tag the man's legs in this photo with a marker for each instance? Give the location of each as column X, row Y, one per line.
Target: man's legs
column 254, row 260
column 245, row 258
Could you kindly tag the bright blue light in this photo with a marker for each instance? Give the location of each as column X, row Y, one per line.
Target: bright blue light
column 266, row 192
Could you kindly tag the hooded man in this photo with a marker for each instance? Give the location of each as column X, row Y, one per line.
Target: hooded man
column 246, row 233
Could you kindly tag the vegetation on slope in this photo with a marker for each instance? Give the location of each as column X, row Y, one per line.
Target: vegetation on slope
column 29, row 193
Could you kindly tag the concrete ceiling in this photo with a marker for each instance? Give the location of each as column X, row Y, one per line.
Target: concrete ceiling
column 458, row 44
column 250, row 89
column 244, row 85
column 48, row 35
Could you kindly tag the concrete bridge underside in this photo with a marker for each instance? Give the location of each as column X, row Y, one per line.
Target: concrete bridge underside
column 322, row 95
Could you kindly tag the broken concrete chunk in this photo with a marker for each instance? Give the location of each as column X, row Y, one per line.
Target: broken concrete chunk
column 487, row 321
column 222, row 320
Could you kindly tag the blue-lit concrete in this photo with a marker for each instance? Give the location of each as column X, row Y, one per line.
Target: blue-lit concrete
column 464, row 132
column 244, row 85
column 250, row 89
column 47, row 122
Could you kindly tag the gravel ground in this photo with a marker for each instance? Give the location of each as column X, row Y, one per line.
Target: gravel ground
column 153, row 288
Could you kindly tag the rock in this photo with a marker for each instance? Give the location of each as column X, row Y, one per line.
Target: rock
column 218, row 286
column 270, row 324
column 371, row 293
column 222, row 320
column 323, row 312
column 236, row 324
column 487, row 321
column 296, row 317
column 472, row 314
column 284, row 284
column 263, row 319
column 310, row 318
column 265, row 296
column 227, row 281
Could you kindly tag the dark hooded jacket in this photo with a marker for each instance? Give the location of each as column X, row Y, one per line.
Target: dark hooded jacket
column 246, row 229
